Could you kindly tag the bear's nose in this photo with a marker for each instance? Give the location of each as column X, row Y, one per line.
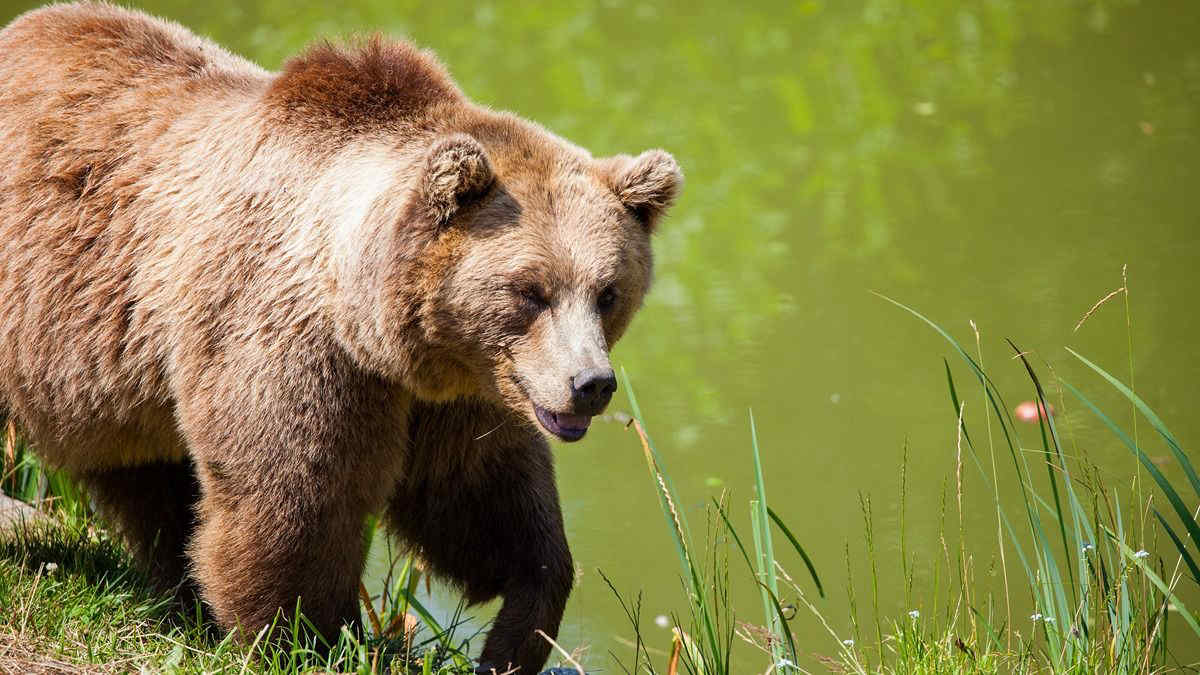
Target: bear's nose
column 591, row 390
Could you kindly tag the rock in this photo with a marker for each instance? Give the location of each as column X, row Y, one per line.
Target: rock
column 14, row 512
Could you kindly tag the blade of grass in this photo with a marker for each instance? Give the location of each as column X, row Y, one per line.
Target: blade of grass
column 1155, row 421
column 1079, row 522
column 677, row 524
column 763, row 544
column 732, row 531
column 993, row 393
column 996, row 493
column 760, row 576
column 812, row 570
column 1165, row 485
column 784, row 628
column 1179, row 545
column 954, row 398
column 1180, row 608
column 440, row 633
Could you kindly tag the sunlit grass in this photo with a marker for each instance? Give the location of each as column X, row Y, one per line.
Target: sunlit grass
column 71, row 600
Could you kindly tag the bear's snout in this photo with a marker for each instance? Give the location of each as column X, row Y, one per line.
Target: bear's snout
column 592, row 389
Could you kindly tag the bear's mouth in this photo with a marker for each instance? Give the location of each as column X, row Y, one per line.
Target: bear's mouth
column 563, row 425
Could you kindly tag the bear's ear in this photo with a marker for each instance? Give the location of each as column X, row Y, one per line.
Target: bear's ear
column 646, row 184
column 456, row 170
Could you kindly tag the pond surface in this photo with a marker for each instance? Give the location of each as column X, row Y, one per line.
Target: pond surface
column 989, row 161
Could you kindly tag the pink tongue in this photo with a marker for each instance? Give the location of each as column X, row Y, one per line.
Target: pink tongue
column 572, row 421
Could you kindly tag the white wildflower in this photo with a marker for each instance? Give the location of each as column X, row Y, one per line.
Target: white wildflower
column 1088, row 547
column 916, row 613
column 51, row 568
column 1141, row 554
column 1035, row 617
column 848, row 643
column 784, row 663
column 1048, row 619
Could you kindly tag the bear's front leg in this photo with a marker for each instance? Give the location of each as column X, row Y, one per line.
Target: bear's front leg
column 291, row 459
column 478, row 500
column 267, row 542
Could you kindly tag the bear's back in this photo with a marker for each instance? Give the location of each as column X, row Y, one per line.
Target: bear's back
column 94, row 102
column 118, row 45
column 93, row 78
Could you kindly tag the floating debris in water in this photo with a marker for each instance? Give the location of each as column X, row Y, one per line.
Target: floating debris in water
column 1027, row 411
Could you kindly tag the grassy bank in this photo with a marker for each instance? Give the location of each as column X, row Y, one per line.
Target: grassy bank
column 1081, row 575
column 70, row 601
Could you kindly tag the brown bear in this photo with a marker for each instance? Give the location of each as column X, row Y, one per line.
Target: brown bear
column 249, row 309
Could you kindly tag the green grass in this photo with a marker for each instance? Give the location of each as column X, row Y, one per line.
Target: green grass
column 1086, row 571
column 70, row 598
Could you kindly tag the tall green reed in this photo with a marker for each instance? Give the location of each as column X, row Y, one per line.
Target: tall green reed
column 1078, row 556
column 706, row 638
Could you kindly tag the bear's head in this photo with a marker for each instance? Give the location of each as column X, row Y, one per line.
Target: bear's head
column 517, row 262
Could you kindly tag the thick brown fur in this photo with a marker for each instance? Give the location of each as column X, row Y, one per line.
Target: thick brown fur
column 248, row 309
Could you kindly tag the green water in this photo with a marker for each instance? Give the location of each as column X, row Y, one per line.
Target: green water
column 989, row 161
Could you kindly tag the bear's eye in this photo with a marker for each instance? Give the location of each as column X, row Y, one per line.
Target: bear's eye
column 606, row 299
column 532, row 298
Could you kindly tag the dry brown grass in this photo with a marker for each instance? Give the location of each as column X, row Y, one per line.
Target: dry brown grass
column 20, row 655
